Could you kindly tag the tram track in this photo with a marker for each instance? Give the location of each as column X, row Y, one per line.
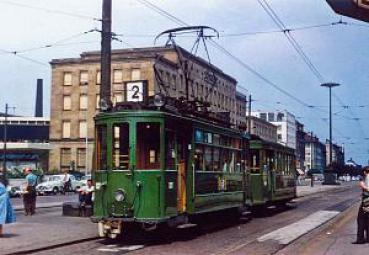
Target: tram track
column 241, row 236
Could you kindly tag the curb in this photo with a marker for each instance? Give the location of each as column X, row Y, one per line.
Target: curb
column 41, row 206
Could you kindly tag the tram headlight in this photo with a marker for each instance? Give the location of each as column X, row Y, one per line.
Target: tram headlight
column 119, row 195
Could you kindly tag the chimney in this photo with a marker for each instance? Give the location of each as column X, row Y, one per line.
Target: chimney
column 39, row 99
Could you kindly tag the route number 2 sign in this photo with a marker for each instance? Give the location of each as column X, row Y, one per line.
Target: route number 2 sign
column 136, row 91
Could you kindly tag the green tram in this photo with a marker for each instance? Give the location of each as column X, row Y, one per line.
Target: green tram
column 271, row 174
column 156, row 167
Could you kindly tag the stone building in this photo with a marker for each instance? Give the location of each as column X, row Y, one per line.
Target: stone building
column 76, row 85
column 263, row 129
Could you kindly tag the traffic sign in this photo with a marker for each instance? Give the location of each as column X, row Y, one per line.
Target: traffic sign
column 357, row 9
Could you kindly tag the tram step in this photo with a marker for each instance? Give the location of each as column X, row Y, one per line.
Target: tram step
column 187, row 225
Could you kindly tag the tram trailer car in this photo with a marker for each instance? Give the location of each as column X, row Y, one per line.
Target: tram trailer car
column 272, row 173
column 155, row 167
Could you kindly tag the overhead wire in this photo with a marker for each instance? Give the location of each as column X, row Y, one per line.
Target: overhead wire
column 76, row 15
column 182, row 23
column 273, row 15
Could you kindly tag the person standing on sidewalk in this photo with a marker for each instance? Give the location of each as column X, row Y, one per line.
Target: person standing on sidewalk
column 29, row 196
column 7, row 214
column 363, row 214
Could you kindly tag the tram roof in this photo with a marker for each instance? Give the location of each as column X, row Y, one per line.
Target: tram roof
column 162, row 114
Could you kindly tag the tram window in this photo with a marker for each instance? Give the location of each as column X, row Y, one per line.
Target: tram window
column 170, row 150
column 101, row 147
column 199, row 136
column 238, row 162
column 208, row 158
column 216, row 139
column 199, row 158
column 231, row 162
column 121, row 146
column 148, row 145
column 216, row 159
column 208, row 137
column 224, row 159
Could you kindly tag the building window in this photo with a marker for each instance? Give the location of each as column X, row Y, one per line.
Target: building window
column 83, row 78
column 263, row 116
column 271, row 117
column 280, row 116
column 65, row 157
column 67, row 79
column 98, row 78
column 117, row 76
column 82, row 129
column 66, row 129
column 67, row 103
column 97, row 101
column 83, row 101
column 135, row 74
column 118, row 98
column 81, row 157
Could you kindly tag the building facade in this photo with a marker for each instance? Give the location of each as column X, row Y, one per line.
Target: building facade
column 300, row 147
column 338, row 154
column 315, row 154
column 27, row 142
column 240, row 111
column 286, row 125
column 76, row 87
column 263, row 129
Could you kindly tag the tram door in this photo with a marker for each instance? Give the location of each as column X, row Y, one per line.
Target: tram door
column 182, row 173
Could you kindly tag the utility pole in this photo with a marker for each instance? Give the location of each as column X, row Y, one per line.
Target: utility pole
column 106, row 34
column 330, row 86
column 249, row 114
column 3, row 173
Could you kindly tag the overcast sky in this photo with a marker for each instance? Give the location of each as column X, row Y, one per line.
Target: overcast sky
column 339, row 53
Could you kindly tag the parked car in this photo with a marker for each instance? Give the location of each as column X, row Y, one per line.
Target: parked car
column 53, row 184
column 84, row 179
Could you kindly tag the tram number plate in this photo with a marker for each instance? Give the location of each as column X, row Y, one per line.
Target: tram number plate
column 135, row 91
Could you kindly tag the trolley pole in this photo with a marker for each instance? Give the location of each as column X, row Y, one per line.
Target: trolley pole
column 106, row 34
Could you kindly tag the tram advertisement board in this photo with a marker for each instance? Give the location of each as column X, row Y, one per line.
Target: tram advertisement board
column 357, row 9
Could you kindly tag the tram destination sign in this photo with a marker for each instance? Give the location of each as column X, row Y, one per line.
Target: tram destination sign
column 136, row 91
column 357, row 9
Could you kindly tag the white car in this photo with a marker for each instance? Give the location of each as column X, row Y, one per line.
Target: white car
column 54, row 184
column 84, row 179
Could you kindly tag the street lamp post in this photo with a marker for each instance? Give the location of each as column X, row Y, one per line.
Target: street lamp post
column 3, row 174
column 330, row 85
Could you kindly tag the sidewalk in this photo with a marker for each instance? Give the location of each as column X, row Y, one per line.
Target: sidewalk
column 44, row 229
column 318, row 187
column 334, row 239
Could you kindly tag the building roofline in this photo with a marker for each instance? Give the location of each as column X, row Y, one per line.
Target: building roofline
column 150, row 53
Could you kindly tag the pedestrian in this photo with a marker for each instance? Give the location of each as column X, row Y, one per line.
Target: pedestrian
column 29, row 196
column 86, row 196
column 7, row 214
column 67, row 183
column 363, row 214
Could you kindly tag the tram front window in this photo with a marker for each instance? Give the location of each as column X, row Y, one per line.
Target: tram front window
column 101, row 147
column 148, row 146
column 121, row 146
